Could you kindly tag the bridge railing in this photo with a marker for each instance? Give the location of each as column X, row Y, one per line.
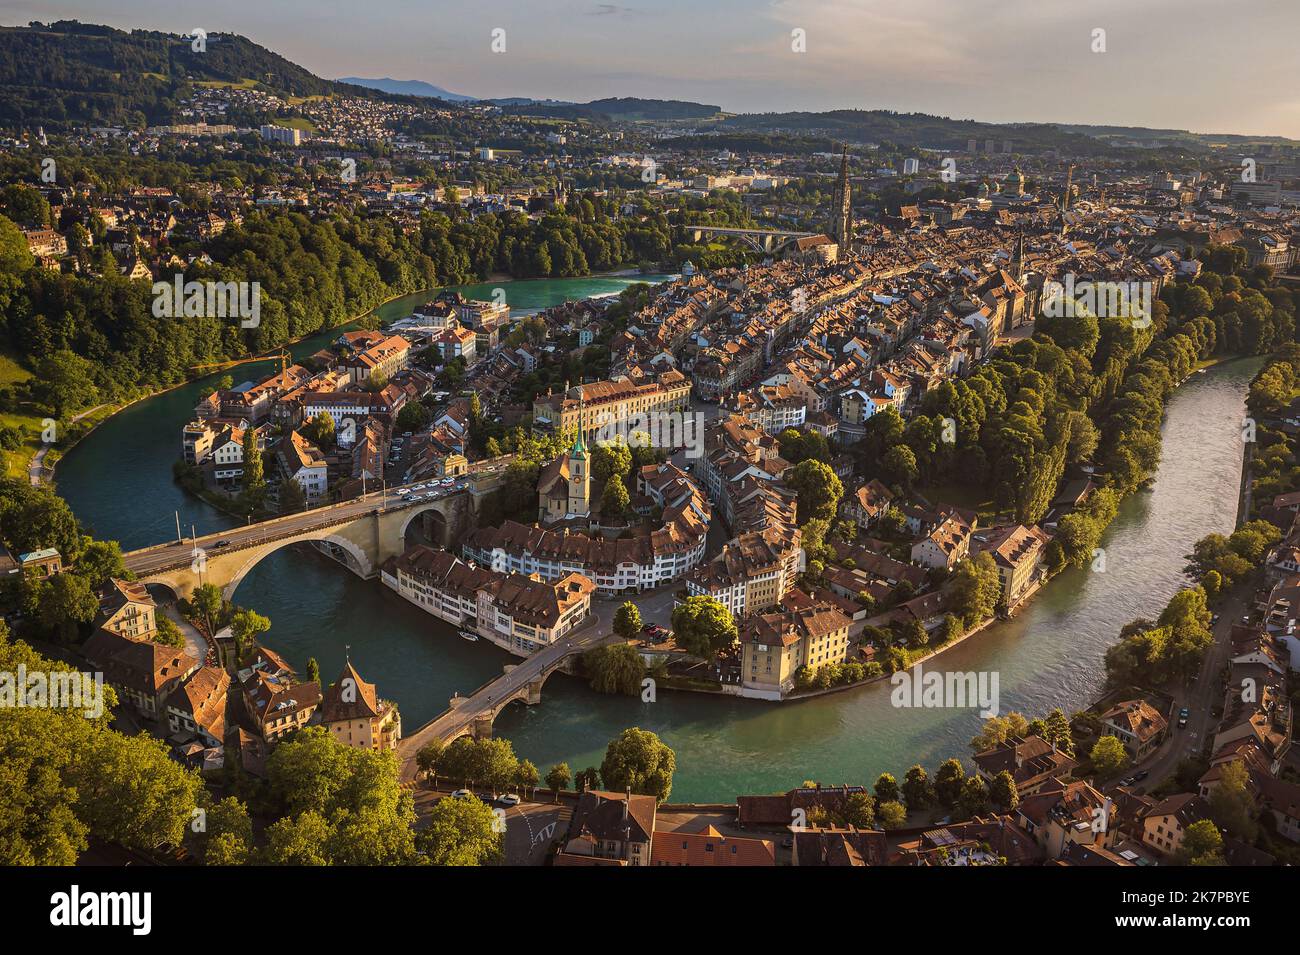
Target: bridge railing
column 246, row 545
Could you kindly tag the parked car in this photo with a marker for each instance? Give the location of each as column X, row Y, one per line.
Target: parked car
column 462, row 794
column 1183, row 714
column 508, row 799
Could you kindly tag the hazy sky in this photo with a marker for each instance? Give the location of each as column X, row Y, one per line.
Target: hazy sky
column 1204, row 65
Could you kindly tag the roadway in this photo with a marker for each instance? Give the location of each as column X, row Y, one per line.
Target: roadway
column 161, row 557
column 1200, row 696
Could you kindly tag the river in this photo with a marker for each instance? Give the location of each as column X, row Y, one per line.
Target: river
column 118, row 481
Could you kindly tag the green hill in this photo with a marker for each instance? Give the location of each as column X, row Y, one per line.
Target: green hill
column 70, row 73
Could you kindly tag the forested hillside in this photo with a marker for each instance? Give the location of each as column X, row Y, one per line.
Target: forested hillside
column 67, row 72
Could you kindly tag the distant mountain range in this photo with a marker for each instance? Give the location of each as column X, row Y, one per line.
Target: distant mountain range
column 621, row 108
column 407, row 88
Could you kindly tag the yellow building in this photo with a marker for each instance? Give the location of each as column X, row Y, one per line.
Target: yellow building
column 126, row 609
column 775, row 645
column 355, row 716
column 590, row 407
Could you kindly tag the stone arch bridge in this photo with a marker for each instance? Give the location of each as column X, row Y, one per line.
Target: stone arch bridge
column 362, row 533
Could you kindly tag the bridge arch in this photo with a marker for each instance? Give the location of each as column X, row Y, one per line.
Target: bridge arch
column 440, row 528
column 360, row 561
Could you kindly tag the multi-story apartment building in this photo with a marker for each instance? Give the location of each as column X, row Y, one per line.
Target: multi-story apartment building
column 521, row 613
column 592, row 406
column 776, row 644
column 752, row 572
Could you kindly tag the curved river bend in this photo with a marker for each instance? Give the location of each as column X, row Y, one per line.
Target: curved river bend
column 118, row 481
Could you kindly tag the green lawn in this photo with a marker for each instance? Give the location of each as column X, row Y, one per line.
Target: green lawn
column 297, row 122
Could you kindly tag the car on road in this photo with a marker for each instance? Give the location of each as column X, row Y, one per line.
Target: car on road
column 1139, row 776
column 222, row 543
column 417, row 487
column 403, row 491
column 1183, row 714
column 508, row 799
column 462, row 794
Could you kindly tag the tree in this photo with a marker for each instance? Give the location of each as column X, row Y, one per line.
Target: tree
column 948, row 782
column 320, row 430
column 369, row 819
column 15, row 255
column 900, row 466
column 1232, row 805
column 627, row 621
column 636, row 759
column 997, row 729
column 817, row 488
column 246, row 626
column 891, row 815
column 611, row 461
column 461, row 832
column 526, row 776
column 1003, row 792
column 886, row 788
column 588, row 778
column 292, row 497
column 65, row 602
column 1057, row 727
column 974, row 798
column 64, row 381
column 1202, row 844
column 101, row 561
column 413, row 417
column 34, row 517
column 976, row 589
column 298, row 840
column 427, row 757
column 918, row 791
column 1108, row 755
column 168, row 635
column 313, row 676
column 558, row 777
column 702, row 626
column 254, row 478
column 207, row 602
column 614, row 501
column 859, row 810
column 229, row 833
column 614, row 669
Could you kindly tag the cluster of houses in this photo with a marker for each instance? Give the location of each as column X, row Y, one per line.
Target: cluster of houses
column 361, row 386
column 221, row 703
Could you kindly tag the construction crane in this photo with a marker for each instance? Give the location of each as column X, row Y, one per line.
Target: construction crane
column 282, row 355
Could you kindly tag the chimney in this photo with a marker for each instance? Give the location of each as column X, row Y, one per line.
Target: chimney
column 627, row 802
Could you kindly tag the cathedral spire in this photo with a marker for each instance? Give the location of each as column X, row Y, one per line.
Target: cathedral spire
column 842, row 227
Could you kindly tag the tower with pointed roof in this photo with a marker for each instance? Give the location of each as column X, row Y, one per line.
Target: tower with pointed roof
column 842, row 225
column 579, row 478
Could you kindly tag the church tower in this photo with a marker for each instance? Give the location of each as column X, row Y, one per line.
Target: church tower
column 842, row 228
column 579, row 478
